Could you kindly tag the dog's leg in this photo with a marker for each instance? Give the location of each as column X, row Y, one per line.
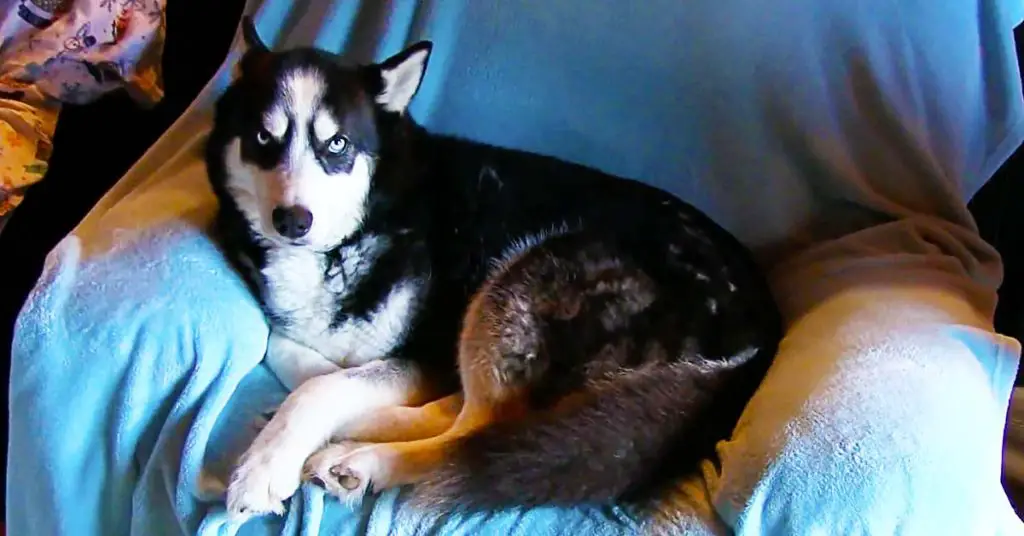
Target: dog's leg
column 495, row 384
column 385, row 425
column 494, row 388
column 350, row 469
column 401, row 423
column 322, row 407
column 294, row 363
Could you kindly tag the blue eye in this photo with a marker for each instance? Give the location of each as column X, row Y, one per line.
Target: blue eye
column 337, row 145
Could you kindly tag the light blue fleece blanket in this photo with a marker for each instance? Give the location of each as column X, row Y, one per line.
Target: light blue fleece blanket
column 136, row 375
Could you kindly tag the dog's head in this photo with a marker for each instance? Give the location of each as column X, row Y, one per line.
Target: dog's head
column 300, row 134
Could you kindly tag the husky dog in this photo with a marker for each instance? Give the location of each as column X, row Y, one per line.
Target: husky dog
column 495, row 327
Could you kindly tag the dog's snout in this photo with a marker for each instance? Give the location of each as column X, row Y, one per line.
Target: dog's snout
column 292, row 222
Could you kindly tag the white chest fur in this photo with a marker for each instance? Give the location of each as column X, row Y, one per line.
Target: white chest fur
column 301, row 289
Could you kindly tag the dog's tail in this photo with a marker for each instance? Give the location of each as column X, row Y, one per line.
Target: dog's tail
column 612, row 441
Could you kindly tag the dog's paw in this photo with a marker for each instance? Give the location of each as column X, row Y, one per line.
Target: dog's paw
column 263, row 480
column 321, row 462
column 348, row 470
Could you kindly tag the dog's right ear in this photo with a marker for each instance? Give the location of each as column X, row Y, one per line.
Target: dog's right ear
column 256, row 58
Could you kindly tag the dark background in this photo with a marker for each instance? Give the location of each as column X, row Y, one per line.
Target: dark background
column 195, row 47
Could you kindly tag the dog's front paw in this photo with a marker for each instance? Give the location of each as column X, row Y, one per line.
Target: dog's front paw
column 348, row 470
column 263, row 480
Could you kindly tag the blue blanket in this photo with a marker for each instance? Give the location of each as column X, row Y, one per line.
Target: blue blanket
column 136, row 376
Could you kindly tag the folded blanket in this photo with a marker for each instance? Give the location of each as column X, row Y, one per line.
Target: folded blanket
column 136, row 376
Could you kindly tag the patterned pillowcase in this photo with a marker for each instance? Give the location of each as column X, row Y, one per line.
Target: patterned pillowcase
column 67, row 51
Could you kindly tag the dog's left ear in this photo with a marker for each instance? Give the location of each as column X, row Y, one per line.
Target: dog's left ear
column 251, row 37
column 256, row 58
column 399, row 77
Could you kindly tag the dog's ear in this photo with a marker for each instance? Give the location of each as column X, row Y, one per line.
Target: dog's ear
column 256, row 58
column 398, row 78
column 251, row 37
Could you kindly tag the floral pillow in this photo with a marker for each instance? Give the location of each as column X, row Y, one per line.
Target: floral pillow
column 67, row 51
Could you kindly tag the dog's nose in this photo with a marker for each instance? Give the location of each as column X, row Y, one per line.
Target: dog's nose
column 292, row 222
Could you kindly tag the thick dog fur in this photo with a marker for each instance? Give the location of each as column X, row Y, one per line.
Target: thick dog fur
column 607, row 334
column 589, row 379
